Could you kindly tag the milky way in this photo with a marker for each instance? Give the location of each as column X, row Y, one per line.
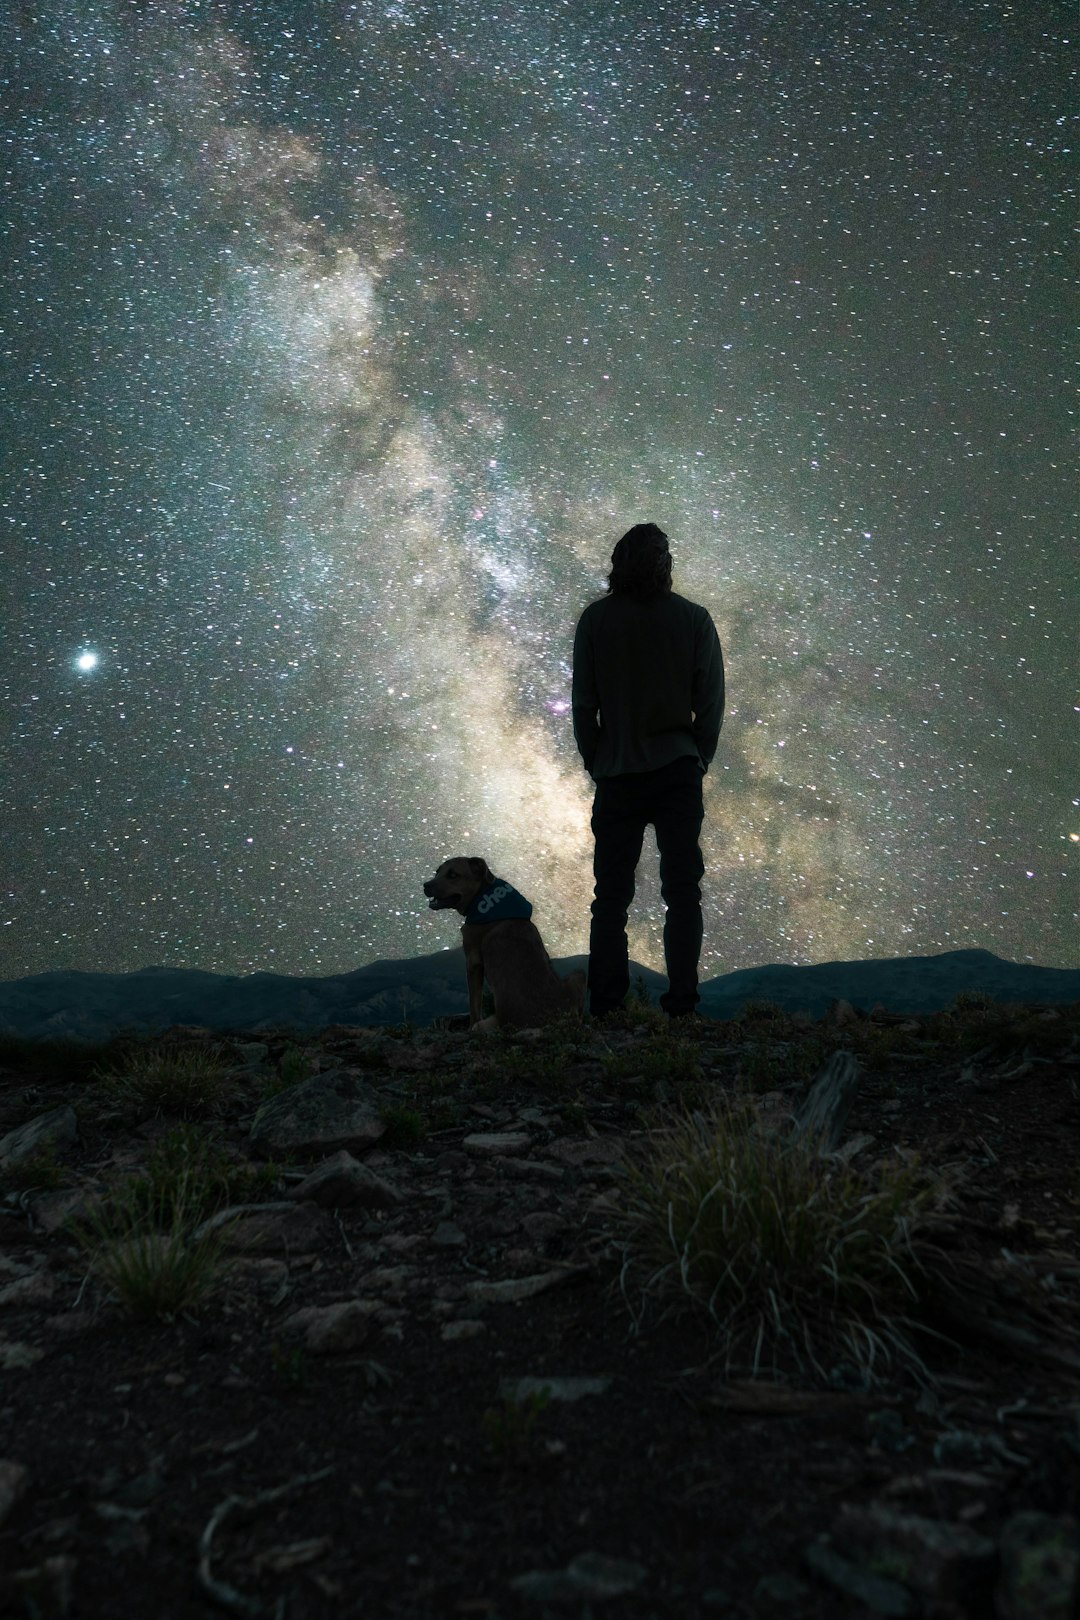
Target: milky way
column 340, row 344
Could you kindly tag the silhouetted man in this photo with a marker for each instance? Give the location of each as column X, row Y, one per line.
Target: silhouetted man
column 648, row 699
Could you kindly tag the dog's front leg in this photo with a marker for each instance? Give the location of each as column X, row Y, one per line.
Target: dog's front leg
column 474, row 974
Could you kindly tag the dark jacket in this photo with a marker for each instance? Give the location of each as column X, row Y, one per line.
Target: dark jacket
column 648, row 684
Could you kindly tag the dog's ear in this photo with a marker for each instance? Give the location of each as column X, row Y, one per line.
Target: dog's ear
column 480, row 870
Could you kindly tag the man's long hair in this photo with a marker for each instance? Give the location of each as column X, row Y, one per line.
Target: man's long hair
column 641, row 564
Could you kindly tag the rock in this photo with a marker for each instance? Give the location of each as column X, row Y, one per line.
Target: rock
column 1040, row 1568
column 270, row 1227
column 330, row 1111
column 14, row 1477
column 28, row 1290
column 326, row 1328
column 487, row 1143
column 407, row 1057
column 341, row 1181
column 465, row 1328
column 48, row 1588
column 511, row 1289
column 448, row 1236
column 556, row 1389
column 14, row 1354
column 52, row 1130
column 264, row 1273
column 395, row 1279
column 593, row 1150
column 451, row 1161
column 879, row 1593
column 402, row 1242
column 542, row 1224
column 70, row 1322
column 964, row 1448
column 536, row 1168
column 854, row 1146
column 590, row 1576
column 941, row 1561
column 51, row 1210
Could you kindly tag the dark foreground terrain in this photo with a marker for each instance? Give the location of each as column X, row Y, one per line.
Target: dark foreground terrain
column 419, row 1391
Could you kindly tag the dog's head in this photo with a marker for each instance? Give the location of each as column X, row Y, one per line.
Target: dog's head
column 457, row 883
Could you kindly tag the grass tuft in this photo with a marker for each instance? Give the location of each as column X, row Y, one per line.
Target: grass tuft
column 405, row 1128
column 789, row 1255
column 662, row 1058
column 188, row 1163
column 296, row 1064
column 146, row 1250
column 508, row 1428
column 192, row 1082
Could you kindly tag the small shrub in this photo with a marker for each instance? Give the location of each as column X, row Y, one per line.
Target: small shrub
column 404, row 1128
column 536, row 1068
column 444, row 1116
column 192, row 1082
column 297, row 1064
column 655, row 1062
column 508, row 1428
column 149, row 1256
column 540, row 1066
column 637, row 1014
column 768, row 1063
column 573, row 1115
column 189, row 1161
column 787, row 1253
column 760, row 1010
column 972, row 1001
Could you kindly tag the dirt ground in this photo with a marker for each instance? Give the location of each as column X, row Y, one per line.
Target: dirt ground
column 215, row 1463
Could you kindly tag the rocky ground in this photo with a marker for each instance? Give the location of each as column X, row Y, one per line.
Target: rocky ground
column 419, row 1391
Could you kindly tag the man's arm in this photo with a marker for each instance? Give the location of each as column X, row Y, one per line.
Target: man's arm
column 708, row 691
column 584, row 698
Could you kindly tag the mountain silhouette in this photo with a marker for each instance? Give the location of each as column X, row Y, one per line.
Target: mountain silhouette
column 420, row 989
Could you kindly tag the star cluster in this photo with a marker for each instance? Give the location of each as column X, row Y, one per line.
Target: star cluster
column 341, row 342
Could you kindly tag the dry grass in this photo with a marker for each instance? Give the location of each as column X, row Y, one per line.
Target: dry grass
column 188, row 1082
column 145, row 1249
column 790, row 1255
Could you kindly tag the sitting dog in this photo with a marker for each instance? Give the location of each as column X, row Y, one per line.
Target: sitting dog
column 503, row 947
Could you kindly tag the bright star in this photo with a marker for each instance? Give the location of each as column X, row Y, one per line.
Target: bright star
column 87, row 661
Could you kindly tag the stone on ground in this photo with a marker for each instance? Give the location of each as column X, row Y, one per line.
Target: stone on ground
column 52, row 1130
column 341, row 1181
column 321, row 1115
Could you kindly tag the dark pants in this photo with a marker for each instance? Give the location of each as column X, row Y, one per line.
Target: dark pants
column 624, row 806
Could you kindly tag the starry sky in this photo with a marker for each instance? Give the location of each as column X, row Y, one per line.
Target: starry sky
column 340, row 342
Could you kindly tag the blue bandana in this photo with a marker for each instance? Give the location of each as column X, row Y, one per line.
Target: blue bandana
column 496, row 903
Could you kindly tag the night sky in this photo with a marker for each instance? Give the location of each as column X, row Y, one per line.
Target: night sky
column 341, row 342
